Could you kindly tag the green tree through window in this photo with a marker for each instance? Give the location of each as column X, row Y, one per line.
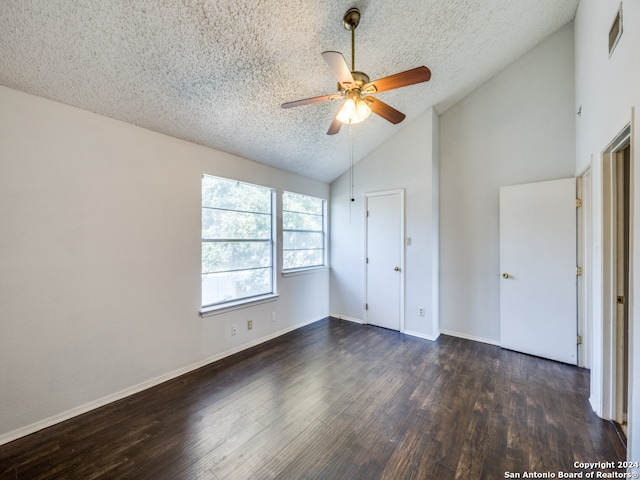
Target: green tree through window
column 237, row 243
column 303, row 235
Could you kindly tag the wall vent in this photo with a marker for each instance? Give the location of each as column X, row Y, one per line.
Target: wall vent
column 615, row 32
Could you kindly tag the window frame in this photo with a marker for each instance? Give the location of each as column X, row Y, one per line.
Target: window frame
column 324, row 232
column 231, row 304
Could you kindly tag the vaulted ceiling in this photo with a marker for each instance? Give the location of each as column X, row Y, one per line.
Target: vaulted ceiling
column 215, row 72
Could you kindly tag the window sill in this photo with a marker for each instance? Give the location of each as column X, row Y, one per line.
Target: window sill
column 237, row 305
column 304, row 271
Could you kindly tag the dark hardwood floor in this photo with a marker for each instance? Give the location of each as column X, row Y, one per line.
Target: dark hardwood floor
column 336, row 400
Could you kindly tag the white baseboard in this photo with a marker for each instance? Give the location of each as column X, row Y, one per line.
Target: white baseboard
column 346, row 317
column 470, row 337
column 596, row 406
column 433, row 338
column 101, row 402
column 406, row 332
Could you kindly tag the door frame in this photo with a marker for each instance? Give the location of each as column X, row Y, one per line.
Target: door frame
column 367, row 195
column 611, row 382
column 584, row 222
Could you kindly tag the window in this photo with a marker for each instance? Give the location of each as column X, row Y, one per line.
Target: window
column 237, row 241
column 303, row 231
column 615, row 32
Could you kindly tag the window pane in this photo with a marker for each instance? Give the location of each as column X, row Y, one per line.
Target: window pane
column 231, row 195
column 302, row 258
column 237, row 246
column 301, row 221
column 301, row 240
column 223, row 287
column 302, row 231
column 295, row 202
column 223, row 256
column 223, row 224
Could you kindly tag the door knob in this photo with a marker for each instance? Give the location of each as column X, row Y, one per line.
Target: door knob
column 397, row 269
column 505, row 275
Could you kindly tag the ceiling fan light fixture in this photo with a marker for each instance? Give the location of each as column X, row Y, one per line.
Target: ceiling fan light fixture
column 354, row 111
column 357, row 89
column 363, row 109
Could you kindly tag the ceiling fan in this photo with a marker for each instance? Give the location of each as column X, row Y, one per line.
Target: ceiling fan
column 355, row 88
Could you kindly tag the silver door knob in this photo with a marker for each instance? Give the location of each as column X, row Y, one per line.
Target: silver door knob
column 397, row 269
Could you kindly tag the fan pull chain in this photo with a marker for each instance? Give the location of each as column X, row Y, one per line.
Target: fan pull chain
column 351, row 171
column 351, row 163
column 353, row 68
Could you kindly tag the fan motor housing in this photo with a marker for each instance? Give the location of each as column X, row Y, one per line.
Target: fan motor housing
column 360, row 78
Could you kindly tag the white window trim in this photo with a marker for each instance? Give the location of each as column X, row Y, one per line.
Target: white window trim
column 237, row 305
column 292, row 272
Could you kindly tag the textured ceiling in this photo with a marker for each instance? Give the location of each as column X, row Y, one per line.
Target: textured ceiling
column 215, row 72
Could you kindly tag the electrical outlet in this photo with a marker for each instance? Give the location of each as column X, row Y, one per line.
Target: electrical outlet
column 421, row 311
column 234, row 329
column 249, row 324
column 273, row 316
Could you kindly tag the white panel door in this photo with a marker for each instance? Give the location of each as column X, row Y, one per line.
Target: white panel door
column 538, row 269
column 384, row 257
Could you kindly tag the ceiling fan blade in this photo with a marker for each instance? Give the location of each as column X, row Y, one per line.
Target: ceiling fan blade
column 340, row 69
column 307, row 101
column 335, row 126
column 385, row 111
column 402, row 79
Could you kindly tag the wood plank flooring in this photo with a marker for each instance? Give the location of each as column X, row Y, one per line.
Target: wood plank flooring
column 335, row 400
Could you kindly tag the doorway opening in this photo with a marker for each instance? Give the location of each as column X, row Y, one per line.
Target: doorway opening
column 616, row 279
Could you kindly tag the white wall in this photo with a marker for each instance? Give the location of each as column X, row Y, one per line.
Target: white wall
column 100, row 261
column 516, row 128
column 607, row 89
column 408, row 160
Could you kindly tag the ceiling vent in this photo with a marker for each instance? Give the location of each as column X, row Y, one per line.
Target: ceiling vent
column 615, row 32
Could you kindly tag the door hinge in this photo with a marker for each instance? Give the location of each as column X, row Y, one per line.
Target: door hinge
column 367, row 260
column 367, row 213
column 578, row 271
column 578, row 202
column 579, row 340
column 366, row 306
